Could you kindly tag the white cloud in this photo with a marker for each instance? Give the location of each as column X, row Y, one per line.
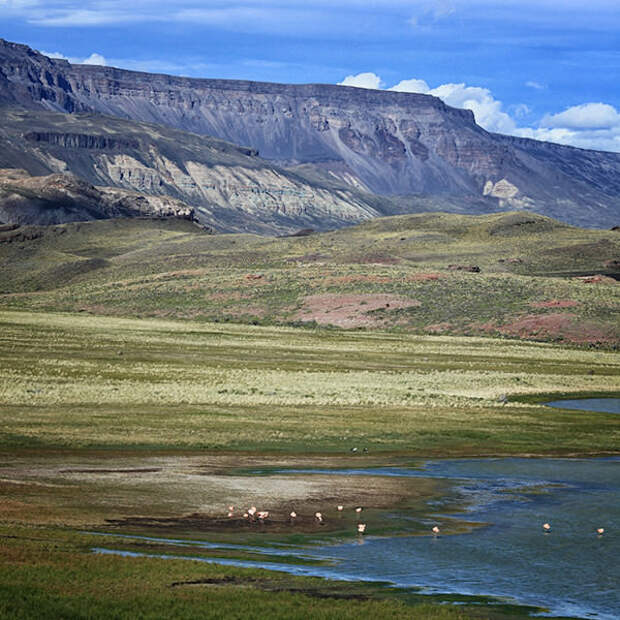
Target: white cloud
column 584, row 116
column 487, row 110
column 93, row 59
column 589, row 125
column 520, row 110
column 363, row 80
column 535, row 85
column 412, row 86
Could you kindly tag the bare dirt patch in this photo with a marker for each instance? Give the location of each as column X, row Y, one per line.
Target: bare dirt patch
column 557, row 326
column 350, row 311
column 598, row 279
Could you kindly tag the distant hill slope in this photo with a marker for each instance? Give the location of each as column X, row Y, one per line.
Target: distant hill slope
column 226, row 186
column 398, row 144
column 430, row 273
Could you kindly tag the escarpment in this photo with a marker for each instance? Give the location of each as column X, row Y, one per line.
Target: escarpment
column 412, row 150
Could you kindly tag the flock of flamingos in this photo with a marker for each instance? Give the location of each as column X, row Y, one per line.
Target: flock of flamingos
column 255, row 515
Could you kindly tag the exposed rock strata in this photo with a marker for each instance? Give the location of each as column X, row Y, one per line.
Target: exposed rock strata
column 227, row 187
column 385, row 142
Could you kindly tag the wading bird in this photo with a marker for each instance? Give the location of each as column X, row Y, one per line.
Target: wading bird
column 436, row 530
column 340, row 508
column 361, row 528
column 600, row 531
column 359, row 509
column 546, row 527
column 319, row 517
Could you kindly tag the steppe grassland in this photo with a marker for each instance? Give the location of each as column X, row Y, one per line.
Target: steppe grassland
column 77, row 380
column 171, row 269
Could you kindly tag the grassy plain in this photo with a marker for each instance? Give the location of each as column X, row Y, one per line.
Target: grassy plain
column 81, row 381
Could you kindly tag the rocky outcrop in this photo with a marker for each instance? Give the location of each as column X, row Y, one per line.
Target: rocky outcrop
column 60, row 198
column 388, row 143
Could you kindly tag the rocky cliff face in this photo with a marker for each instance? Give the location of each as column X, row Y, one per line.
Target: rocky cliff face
column 227, row 187
column 388, row 143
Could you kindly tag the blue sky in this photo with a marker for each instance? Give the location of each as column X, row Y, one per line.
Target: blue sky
column 545, row 69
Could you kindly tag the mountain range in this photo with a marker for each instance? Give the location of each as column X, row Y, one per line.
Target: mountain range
column 264, row 157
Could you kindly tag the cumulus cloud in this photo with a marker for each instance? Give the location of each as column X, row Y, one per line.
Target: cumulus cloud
column 584, row 116
column 589, row 125
column 487, row 110
column 363, row 80
column 412, row 86
column 93, row 59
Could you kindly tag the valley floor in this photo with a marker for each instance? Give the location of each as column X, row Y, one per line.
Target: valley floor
column 146, row 425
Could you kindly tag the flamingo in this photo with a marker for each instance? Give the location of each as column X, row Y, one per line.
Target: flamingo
column 600, row 531
column 231, row 508
column 546, row 527
column 359, row 509
column 252, row 511
column 293, row 515
column 436, row 530
column 319, row 517
column 246, row 515
column 340, row 508
column 361, row 528
column 263, row 514
column 230, row 514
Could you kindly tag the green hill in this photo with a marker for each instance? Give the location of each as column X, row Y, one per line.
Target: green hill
column 514, row 274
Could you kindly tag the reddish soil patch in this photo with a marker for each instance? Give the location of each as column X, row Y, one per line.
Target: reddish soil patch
column 555, row 303
column 597, row 280
column 557, row 326
column 350, row 311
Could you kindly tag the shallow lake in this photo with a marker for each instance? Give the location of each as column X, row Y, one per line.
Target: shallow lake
column 602, row 405
column 571, row 571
